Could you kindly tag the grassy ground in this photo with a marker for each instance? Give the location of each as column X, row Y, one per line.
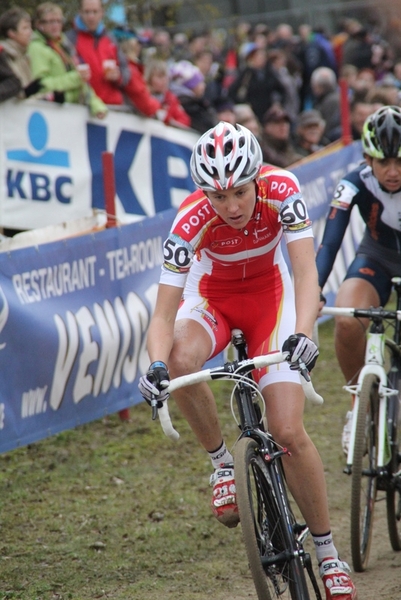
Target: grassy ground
column 115, row 510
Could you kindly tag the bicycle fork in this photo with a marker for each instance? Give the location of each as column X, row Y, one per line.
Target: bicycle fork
column 300, row 531
column 374, row 361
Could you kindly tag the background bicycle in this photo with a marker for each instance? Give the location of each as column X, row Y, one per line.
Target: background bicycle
column 373, row 460
column 272, row 537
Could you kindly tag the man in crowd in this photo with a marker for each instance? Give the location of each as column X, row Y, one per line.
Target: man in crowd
column 98, row 49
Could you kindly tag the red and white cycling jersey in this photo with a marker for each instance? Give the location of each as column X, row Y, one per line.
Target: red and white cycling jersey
column 216, row 256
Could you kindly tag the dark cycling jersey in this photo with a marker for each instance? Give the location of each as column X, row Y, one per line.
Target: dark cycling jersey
column 381, row 212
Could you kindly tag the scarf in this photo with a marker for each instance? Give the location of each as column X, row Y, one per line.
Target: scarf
column 18, row 60
column 80, row 26
column 63, row 51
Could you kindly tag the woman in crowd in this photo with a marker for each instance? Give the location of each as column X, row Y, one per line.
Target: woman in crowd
column 53, row 62
column 16, row 78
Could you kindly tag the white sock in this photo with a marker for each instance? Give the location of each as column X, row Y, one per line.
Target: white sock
column 221, row 456
column 324, row 547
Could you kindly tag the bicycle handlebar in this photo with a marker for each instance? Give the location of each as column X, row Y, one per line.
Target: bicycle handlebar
column 369, row 313
column 233, row 370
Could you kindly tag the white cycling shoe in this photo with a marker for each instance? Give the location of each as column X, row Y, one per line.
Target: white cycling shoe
column 224, row 499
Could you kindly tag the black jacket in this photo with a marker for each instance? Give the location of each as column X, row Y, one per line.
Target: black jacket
column 258, row 87
column 10, row 85
column 201, row 113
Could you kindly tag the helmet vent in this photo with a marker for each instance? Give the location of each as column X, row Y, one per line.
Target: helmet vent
column 228, row 148
column 381, row 135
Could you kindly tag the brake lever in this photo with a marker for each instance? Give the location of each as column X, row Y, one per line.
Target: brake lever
column 303, row 370
column 153, row 404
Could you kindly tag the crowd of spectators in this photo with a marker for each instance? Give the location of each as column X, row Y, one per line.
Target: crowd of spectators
column 282, row 84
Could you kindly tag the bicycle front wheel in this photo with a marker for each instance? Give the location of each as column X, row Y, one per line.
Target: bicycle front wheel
column 276, row 569
column 364, row 480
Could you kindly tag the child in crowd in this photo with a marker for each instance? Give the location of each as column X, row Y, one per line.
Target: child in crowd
column 188, row 84
column 157, row 79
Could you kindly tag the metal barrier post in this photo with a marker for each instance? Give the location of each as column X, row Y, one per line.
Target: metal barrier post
column 346, row 135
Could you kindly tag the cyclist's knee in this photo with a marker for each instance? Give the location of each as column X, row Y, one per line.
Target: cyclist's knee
column 349, row 329
column 180, row 363
column 185, row 359
column 191, row 348
column 292, row 437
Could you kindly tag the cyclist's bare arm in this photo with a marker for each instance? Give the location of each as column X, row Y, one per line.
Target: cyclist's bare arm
column 302, row 257
column 161, row 328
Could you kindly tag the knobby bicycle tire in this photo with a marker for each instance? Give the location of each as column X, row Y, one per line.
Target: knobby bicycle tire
column 393, row 492
column 393, row 502
column 364, row 479
column 266, row 529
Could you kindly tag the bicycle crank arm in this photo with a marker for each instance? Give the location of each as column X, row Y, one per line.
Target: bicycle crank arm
column 277, row 559
column 309, row 568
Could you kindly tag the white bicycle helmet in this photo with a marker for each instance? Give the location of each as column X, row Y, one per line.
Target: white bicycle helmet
column 225, row 156
column 381, row 134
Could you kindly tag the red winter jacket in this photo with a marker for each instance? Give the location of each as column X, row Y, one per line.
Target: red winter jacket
column 137, row 92
column 93, row 49
column 176, row 114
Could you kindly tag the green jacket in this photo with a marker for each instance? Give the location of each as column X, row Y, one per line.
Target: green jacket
column 55, row 76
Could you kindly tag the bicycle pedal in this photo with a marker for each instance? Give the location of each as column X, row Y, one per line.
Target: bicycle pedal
column 382, row 484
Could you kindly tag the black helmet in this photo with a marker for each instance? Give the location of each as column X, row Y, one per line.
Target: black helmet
column 381, row 134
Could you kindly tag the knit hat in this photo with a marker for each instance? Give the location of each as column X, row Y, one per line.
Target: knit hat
column 223, row 103
column 247, row 49
column 310, row 117
column 121, row 32
column 186, row 74
column 275, row 114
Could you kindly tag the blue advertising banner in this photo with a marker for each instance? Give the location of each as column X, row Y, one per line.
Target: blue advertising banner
column 73, row 321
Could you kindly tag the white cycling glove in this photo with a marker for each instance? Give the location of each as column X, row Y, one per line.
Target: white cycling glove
column 155, row 382
column 301, row 347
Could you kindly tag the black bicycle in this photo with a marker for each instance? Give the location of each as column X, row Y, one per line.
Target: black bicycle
column 273, row 538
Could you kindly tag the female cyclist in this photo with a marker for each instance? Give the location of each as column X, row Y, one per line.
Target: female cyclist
column 224, row 268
